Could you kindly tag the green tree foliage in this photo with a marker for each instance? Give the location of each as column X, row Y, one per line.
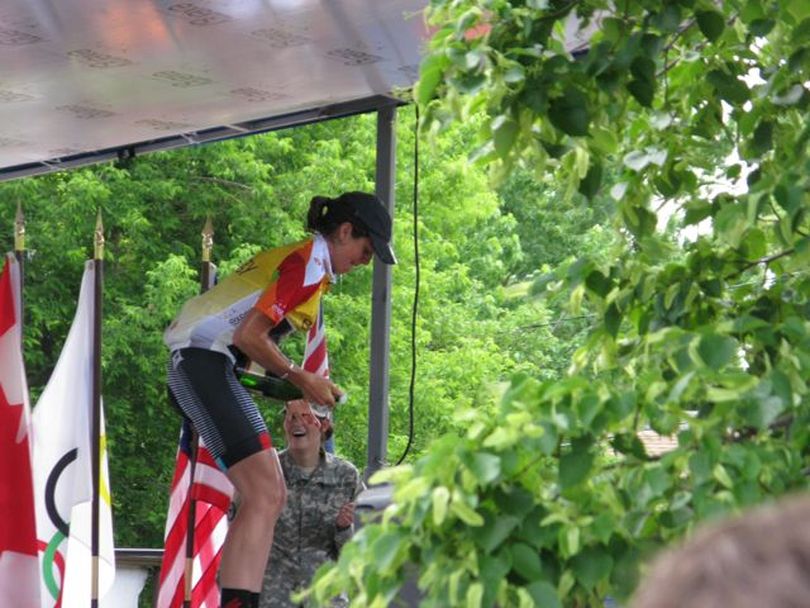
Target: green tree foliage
column 697, row 113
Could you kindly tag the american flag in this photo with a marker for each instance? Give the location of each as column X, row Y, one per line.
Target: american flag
column 212, row 494
column 316, row 359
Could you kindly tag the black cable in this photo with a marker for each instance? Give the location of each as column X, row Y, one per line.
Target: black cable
column 416, row 287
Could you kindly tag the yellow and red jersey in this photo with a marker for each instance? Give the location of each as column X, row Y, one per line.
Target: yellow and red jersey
column 283, row 283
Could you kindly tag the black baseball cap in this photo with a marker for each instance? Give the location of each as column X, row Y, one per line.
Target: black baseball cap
column 372, row 214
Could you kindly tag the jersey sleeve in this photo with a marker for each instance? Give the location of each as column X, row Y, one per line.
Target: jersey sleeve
column 287, row 291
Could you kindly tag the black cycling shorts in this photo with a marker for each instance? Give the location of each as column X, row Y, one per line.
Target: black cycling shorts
column 202, row 383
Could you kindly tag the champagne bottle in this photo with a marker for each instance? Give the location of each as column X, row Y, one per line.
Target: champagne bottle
column 269, row 385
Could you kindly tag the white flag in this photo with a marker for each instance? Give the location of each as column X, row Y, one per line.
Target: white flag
column 62, row 470
column 19, row 583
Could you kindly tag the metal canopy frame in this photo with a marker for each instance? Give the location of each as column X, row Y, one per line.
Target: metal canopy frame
column 363, row 105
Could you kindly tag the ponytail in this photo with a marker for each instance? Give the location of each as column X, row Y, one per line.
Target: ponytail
column 326, row 214
column 318, row 210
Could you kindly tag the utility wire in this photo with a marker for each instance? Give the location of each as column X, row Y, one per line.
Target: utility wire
column 412, row 384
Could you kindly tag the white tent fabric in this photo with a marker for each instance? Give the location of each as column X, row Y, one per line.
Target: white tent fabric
column 82, row 76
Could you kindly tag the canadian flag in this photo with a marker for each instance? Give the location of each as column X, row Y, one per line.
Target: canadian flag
column 19, row 583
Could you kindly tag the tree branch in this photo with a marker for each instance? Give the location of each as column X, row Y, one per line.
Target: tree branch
column 766, row 260
column 221, row 182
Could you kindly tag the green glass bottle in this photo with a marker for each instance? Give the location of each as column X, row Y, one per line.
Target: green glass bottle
column 269, row 385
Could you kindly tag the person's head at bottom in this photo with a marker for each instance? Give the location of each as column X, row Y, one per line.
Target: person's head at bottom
column 305, row 431
column 356, row 225
column 760, row 559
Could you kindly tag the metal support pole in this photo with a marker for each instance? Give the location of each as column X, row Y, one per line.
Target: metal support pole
column 381, row 301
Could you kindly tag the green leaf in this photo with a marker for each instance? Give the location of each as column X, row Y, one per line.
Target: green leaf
column 430, row 75
column 768, row 401
column 569, row 113
column 569, row 540
column 680, row 386
column 762, row 140
column 801, row 34
column 548, row 440
column 385, row 550
column 587, row 408
column 780, row 384
column 526, row 561
column 721, row 475
column 544, row 595
column 761, row 27
column 475, row 593
column 800, row 57
column 789, row 196
column 465, row 513
column 643, row 91
column 485, row 466
column 591, row 565
column 630, row 444
column 604, row 140
column 613, row 319
column 603, row 526
column 729, row 87
column 515, row 501
column 731, row 223
column 696, row 211
column 574, row 467
column 598, row 283
column 669, row 19
column 700, row 464
column 473, row 59
column 535, row 96
column 493, row 570
column 505, row 131
column 751, row 10
column 798, row 8
column 711, row 24
column 470, row 83
column 640, row 221
column 643, row 68
column 495, row 530
column 515, row 73
column 589, row 185
column 642, row 87
column 440, row 499
column 755, row 243
column 658, row 479
column 716, row 351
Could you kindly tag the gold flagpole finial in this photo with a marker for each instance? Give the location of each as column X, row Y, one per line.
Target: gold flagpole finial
column 19, row 229
column 207, row 240
column 98, row 238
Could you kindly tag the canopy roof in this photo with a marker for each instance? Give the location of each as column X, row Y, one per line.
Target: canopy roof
column 88, row 80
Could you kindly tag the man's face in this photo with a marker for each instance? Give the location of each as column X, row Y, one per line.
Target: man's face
column 301, row 428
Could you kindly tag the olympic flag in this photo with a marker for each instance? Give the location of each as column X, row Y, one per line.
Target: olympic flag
column 62, row 471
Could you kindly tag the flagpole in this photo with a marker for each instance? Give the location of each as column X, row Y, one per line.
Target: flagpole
column 206, row 280
column 98, row 261
column 19, row 254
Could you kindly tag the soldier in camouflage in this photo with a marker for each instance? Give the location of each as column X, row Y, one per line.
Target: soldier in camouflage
column 319, row 515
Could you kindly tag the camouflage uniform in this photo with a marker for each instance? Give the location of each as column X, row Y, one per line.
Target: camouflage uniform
column 306, row 534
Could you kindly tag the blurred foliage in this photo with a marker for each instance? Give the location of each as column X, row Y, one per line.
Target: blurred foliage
column 684, row 122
